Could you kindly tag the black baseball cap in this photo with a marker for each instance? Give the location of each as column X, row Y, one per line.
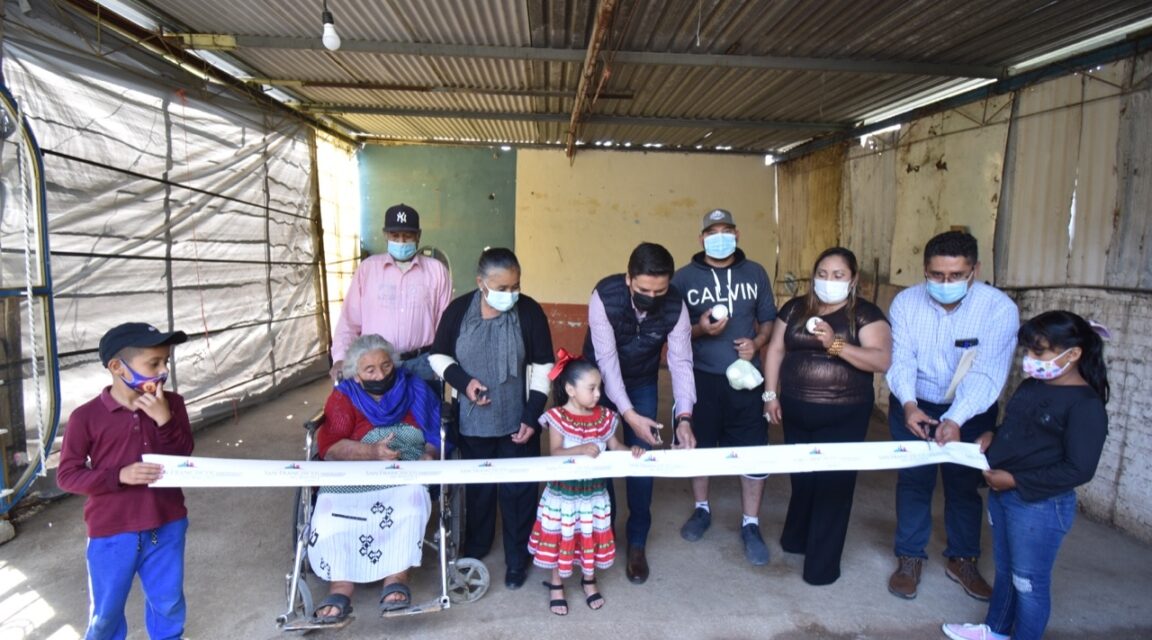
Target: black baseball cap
column 401, row 217
column 135, row 334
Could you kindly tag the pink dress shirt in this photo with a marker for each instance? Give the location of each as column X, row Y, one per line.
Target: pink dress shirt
column 679, row 358
column 402, row 306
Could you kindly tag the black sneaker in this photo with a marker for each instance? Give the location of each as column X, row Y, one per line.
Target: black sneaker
column 754, row 548
column 694, row 529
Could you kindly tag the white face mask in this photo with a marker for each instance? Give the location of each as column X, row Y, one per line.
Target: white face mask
column 501, row 300
column 831, row 291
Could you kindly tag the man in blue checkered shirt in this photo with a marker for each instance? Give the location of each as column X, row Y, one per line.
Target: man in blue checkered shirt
column 953, row 340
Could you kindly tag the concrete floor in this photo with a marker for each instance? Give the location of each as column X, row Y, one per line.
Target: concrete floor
column 239, row 549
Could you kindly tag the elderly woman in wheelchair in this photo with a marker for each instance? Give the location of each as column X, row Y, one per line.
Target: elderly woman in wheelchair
column 363, row 534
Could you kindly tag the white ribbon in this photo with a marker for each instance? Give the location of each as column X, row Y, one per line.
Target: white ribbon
column 797, row 458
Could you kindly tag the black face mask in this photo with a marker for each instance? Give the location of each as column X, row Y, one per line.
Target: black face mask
column 647, row 303
column 379, row 387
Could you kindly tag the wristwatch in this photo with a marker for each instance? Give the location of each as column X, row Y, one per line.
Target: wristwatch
column 768, row 396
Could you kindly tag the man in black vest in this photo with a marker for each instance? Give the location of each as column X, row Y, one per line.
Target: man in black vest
column 630, row 318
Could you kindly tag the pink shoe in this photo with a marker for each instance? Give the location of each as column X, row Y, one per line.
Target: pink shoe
column 971, row 632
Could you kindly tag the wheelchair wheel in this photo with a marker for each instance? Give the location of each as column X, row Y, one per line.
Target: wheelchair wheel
column 468, row 580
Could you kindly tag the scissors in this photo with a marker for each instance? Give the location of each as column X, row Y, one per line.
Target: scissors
column 480, row 395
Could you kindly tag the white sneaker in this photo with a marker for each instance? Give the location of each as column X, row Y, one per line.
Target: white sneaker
column 971, row 632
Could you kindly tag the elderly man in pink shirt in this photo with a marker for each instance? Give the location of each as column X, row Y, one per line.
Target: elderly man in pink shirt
column 399, row 295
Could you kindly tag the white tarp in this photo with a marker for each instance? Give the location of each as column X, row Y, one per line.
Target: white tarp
column 187, row 209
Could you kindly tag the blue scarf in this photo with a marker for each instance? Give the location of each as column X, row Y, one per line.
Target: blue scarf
column 408, row 393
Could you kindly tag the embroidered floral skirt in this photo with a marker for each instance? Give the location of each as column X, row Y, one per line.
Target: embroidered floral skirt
column 369, row 535
column 573, row 527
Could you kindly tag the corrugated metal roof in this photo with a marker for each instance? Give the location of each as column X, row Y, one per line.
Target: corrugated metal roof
column 464, row 78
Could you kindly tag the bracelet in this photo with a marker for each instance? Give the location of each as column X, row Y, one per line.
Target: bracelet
column 683, row 418
column 837, row 347
column 768, row 396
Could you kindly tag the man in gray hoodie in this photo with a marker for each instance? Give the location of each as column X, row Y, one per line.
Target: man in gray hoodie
column 730, row 305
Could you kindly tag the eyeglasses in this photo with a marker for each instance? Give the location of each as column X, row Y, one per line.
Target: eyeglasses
column 941, row 278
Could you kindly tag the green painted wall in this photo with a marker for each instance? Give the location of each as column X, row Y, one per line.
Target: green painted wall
column 466, row 198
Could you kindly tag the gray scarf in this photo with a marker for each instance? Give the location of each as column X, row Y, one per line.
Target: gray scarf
column 493, row 352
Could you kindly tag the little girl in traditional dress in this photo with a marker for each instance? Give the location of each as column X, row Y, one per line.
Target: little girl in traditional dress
column 574, row 520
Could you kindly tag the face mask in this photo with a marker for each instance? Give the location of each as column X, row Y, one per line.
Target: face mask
column 719, row 246
column 402, row 251
column 647, row 303
column 379, row 387
column 143, row 384
column 1045, row 369
column 948, row 292
column 831, row 291
column 502, row 300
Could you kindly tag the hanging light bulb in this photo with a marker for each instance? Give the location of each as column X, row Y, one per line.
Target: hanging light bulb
column 330, row 38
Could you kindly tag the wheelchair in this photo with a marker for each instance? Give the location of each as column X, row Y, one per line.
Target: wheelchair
column 462, row 580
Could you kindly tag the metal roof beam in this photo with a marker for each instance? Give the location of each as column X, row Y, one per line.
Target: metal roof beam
column 772, row 63
column 683, row 123
column 412, row 88
column 583, row 104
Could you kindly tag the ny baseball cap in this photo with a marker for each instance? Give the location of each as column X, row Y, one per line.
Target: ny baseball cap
column 716, row 216
column 135, row 334
column 401, row 217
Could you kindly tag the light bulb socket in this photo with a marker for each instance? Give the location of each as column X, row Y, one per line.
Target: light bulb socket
column 326, row 17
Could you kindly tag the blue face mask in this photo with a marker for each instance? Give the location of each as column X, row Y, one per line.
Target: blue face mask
column 948, row 292
column 402, row 251
column 143, row 384
column 719, row 246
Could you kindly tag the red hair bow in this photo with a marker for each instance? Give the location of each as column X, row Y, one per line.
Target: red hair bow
column 562, row 360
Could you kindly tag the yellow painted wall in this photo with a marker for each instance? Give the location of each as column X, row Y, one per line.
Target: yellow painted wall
column 578, row 223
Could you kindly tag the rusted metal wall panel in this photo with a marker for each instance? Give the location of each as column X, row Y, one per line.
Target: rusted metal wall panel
column 1043, row 165
column 948, row 172
column 809, row 214
column 1060, row 221
column 1097, row 196
column 1130, row 255
column 868, row 211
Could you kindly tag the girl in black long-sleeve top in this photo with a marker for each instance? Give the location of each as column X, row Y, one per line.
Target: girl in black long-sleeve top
column 1049, row 443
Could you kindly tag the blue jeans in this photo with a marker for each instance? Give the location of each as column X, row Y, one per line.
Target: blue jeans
column 644, row 401
column 1025, row 539
column 963, row 505
column 113, row 562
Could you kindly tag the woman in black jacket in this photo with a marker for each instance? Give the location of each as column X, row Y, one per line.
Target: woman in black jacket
column 494, row 347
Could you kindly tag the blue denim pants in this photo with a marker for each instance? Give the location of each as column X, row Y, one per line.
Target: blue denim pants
column 644, row 401
column 963, row 505
column 1026, row 537
column 113, row 562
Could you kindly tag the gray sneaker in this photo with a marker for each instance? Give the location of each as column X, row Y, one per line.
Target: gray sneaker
column 694, row 529
column 754, row 548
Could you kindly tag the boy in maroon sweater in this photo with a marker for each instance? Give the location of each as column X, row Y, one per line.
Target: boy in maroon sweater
column 132, row 528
